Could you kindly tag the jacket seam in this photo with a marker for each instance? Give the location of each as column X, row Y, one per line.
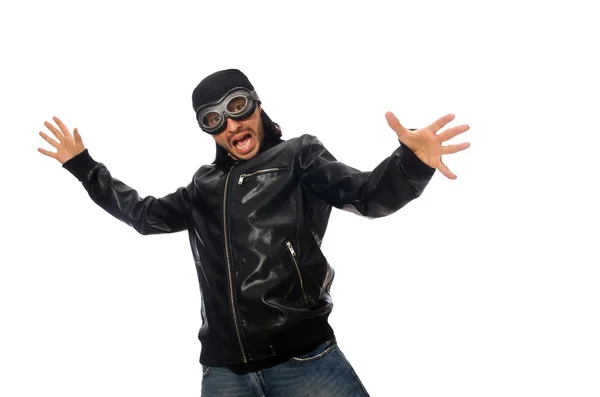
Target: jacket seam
column 298, row 197
column 301, row 179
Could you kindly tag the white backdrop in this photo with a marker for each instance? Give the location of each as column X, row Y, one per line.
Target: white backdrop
column 484, row 286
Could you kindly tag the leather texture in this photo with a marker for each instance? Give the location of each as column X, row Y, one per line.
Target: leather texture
column 255, row 233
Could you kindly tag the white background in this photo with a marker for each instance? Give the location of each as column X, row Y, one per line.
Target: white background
column 487, row 285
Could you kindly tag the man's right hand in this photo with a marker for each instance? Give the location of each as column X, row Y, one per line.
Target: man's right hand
column 68, row 146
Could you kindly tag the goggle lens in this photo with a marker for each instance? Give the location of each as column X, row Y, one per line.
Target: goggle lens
column 211, row 119
column 237, row 105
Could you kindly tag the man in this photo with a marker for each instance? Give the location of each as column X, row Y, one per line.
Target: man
column 256, row 217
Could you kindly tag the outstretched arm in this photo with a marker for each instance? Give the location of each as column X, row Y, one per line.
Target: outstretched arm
column 148, row 215
column 396, row 181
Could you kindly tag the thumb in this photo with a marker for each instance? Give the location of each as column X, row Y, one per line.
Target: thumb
column 77, row 137
column 395, row 125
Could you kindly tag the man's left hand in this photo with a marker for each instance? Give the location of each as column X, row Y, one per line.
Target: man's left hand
column 426, row 143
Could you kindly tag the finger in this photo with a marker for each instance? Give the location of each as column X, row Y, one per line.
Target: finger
column 395, row 125
column 55, row 131
column 47, row 153
column 77, row 137
column 450, row 149
column 452, row 132
column 446, row 171
column 49, row 140
column 62, row 126
column 442, row 121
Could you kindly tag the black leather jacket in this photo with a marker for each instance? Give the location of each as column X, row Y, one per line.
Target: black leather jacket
column 255, row 232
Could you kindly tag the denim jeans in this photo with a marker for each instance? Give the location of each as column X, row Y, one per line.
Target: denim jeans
column 323, row 372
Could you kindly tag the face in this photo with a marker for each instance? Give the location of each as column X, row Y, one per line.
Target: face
column 242, row 138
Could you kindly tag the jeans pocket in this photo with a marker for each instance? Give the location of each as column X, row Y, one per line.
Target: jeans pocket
column 321, row 351
column 205, row 370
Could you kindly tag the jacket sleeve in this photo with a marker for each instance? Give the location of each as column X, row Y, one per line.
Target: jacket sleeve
column 148, row 215
column 396, row 181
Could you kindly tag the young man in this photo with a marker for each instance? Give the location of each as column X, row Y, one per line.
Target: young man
column 256, row 217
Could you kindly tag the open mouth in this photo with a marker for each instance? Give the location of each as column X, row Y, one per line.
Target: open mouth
column 243, row 142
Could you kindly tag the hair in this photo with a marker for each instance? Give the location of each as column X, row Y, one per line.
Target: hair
column 272, row 137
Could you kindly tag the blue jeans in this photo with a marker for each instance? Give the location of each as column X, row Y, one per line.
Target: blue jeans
column 324, row 372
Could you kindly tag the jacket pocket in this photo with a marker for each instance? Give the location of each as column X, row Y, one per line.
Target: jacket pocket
column 259, row 172
column 294, row 256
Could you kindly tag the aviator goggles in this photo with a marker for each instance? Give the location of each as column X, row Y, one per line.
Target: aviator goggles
column 238, row 103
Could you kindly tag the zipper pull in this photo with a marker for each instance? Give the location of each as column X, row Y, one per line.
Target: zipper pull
column 241, row 180
column 291, row 248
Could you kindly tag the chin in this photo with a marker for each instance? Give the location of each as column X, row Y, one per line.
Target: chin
column 249, row 155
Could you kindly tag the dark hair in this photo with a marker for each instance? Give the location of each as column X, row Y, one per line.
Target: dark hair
column 272, row 137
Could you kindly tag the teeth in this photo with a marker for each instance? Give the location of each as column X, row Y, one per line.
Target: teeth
column 243, row 146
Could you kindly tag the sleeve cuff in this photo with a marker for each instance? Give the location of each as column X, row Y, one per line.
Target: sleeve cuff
column 80, row 165
column 412, row 165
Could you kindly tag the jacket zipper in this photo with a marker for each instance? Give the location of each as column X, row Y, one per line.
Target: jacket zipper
column 241, row 180
column 294, row 256
column 233, row 311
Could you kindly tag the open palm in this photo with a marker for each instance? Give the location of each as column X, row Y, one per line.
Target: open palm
column 68, row 145
column 426, row 143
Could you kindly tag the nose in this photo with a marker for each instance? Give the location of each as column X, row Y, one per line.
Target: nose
column 233, row 125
